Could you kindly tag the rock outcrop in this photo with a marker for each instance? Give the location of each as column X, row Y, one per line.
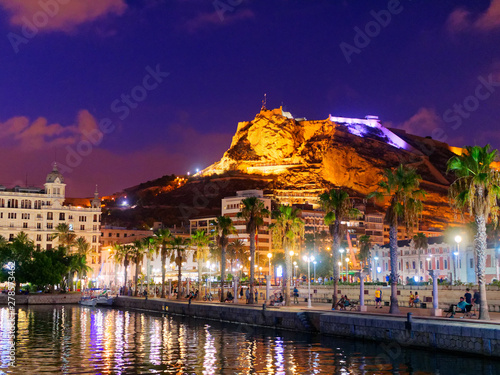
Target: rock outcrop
column 306, row 157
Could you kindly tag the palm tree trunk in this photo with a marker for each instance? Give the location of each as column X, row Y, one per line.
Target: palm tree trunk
column 198, row 298
column 163, row 264
column 480, row 247
column 179, row 275
column 125, row 264
column 335, row 252
column 137, row 266
column 288, row 267
column 222, row 271
column 252, row 266
column 393, row 245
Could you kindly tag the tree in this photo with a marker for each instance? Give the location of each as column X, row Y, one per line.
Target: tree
column 236, row 251
column 82, row 249
column 20, row 251
column 253, row 212
column 65, row 235
column 421, row 242
column 287, row 229
column 365, row 243
column 47, row 268
column 137, row 257
column 224, row 227
column 201, row 240
column 338, row 207
column 476, row 190
column 123, row 255
column 401, row 186
column 178, row 245
column 162, row 238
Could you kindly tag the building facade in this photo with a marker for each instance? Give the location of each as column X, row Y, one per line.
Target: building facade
column 38, row 212
column 455, row 262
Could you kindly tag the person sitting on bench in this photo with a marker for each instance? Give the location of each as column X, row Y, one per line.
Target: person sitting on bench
column 416, row 300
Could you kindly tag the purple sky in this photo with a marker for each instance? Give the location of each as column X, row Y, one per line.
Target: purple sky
column 166, row 81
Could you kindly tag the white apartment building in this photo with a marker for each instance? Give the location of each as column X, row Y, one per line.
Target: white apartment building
column 37, row 212
column 454, row 261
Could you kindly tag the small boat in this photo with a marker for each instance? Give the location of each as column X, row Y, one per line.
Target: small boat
column 85, row 301
column 103, row 300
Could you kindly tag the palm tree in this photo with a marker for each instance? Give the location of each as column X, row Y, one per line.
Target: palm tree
column 405, row 206
column 162, row 238
column 476, row 189
column 201, row 240
column 236, row 251
column 65, row 235
column 178, row 247
column 287, row 229
column 421, row 242
column 137, row 257
column 82, row 249
column 365, row 243
column 123, row 255
column 224, row 227
column 253, row 212
column 338, row 207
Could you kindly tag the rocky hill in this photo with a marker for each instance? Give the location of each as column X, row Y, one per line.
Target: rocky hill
column 294, row 160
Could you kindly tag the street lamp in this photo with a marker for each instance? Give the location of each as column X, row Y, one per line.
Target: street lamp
column 375, row 262
column 347, row 269
column 458, row 239
column 314, row 270
column 341, row 260
column 209, row 276
column 295, row 269
column 308, row 260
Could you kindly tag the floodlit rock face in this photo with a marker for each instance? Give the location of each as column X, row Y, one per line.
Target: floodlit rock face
column 306, row 157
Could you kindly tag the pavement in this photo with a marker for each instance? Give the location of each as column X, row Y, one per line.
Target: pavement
column 371, row 310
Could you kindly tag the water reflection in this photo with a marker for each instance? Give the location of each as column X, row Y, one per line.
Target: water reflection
column 73, row 339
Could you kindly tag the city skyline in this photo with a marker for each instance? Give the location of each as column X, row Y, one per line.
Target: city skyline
column 165, row 83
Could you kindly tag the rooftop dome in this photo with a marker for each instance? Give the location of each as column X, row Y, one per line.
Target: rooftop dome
column 51, row 177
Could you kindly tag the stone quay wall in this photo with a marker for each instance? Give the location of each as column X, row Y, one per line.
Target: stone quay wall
column 43, row 299
column 438, row 333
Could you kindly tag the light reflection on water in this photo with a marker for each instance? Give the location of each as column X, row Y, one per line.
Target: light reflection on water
column 80, row 340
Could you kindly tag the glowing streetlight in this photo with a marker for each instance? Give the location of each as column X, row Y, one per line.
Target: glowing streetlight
column 309, row 260
column 458, row 239
column 347, row 269
column 340, row 264
column 314, row 263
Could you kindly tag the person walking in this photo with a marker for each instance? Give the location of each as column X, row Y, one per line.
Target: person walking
column 378, row 298
column 295, row 295
column 247, row 295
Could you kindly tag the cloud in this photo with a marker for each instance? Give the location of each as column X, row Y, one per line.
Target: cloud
column 40, row 135
column 216, row 19
column 421, row 123
column 461, row 19
column 60, row 15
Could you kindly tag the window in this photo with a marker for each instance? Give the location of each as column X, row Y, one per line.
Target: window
column 109, row 234
column 413, row 265
column 471, row 263
column 407, row 265
column 37, row 205
column 117, row 234
column 49, row 237
column 437, row 264
column 11, row 237
column 70, row 217
column 38, row 237
column 49, row 246
column 82, row 227
column 82, row 218
column 38, row 225
column 95, row 218
column 25, row 216
column 94, row 238
column 25, row 225
column 12, row 215
column 50, row 226
column 2, row 202
column 124, row 234
column 61, row 216
column 50, row 216
column 94, row 227
column 445, row 264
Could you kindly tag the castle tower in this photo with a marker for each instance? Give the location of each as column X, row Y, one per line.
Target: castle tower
column 55, row 186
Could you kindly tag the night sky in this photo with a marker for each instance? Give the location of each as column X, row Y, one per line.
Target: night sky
column 166, row 81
